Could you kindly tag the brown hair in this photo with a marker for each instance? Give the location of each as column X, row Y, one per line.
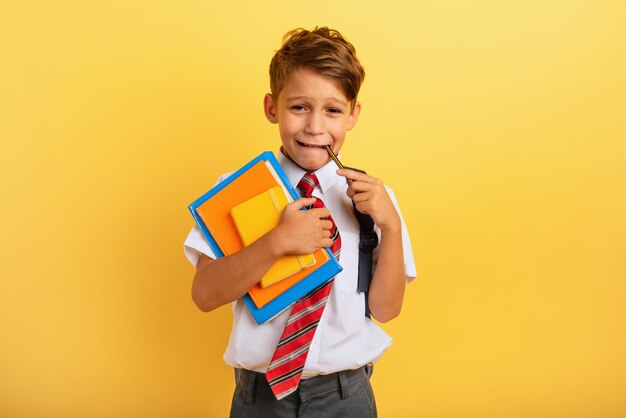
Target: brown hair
column 322, row 50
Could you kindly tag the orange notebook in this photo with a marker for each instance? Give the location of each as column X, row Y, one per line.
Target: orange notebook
column 215, row 213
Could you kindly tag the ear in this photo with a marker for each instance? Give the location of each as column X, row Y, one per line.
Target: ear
column 270, row 108
column 354, row 116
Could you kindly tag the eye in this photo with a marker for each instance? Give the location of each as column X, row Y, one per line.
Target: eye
column 298, row 108
column 334, row 110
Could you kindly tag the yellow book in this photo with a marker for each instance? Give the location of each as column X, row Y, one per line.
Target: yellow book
column 257, row 216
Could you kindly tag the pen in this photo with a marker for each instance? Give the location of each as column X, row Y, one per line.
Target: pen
column 336, row 160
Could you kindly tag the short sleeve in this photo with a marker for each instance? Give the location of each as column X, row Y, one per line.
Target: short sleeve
column 409, row 261
column 195, row 245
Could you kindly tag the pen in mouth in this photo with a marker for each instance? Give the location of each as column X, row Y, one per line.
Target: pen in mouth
column 336, row 160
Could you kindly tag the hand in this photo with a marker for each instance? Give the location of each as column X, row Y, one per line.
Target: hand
column 370, row 197
column 302, row 231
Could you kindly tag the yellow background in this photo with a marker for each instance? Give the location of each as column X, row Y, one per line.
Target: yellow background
column 501, row 126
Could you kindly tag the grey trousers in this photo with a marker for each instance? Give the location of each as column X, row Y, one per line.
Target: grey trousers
column 337, row 395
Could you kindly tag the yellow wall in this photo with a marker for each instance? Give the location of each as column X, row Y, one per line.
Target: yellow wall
column 501, row 126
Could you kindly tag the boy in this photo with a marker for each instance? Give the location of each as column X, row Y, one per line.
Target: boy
column 315, row 79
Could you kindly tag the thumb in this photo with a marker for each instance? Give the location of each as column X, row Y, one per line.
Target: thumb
column 302, row 202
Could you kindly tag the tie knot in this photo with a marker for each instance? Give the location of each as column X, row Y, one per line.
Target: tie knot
column 308, row 182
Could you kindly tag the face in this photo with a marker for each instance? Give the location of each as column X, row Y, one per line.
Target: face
column 311, row 112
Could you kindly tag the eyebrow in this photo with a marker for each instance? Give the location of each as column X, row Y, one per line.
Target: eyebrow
column 332, row 99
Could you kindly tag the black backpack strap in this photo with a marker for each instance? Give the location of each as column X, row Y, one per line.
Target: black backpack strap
column 367, row 242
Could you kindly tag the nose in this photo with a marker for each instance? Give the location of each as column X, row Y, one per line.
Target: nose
column 315, row 125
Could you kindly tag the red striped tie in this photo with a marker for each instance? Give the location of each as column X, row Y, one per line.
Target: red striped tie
column 287, row 363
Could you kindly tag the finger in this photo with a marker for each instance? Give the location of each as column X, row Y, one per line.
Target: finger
column 352, row 190
column 326, row 242
column 327, row 225
column 360, row 187
column 362, row 197
column 356, row 176
column 319, row 213
column 364, row 207
column 326, row 233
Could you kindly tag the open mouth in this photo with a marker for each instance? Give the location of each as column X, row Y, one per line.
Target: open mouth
column 310, row 145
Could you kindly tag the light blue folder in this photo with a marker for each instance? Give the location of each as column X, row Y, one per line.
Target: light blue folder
column 283, row 301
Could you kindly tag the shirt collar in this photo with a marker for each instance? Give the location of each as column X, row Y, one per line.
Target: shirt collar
column 327, row 175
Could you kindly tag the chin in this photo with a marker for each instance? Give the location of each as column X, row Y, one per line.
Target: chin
column 308, row 163
column 311, row 165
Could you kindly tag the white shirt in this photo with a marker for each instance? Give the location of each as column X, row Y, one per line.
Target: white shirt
column 345, row 338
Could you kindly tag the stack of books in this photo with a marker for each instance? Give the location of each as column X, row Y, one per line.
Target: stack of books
column 244, row 207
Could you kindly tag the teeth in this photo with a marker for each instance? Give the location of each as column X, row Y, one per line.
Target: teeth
column 311, row 145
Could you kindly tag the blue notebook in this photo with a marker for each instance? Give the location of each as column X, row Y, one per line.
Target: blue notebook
column 220, row 236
